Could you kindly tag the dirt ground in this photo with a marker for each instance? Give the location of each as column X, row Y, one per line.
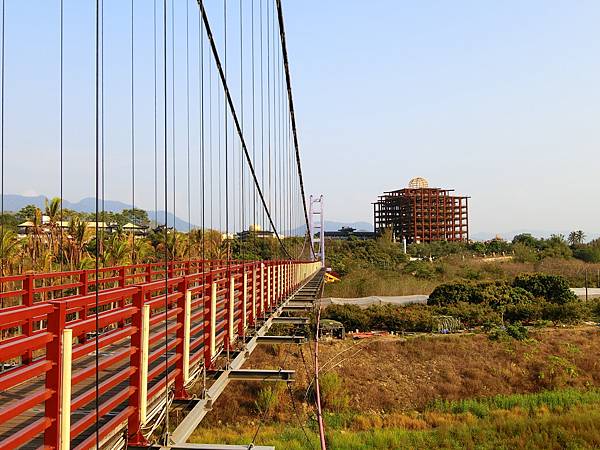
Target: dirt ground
column 407, row 373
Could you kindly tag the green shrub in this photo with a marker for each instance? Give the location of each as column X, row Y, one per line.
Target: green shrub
column 471, row 315
column 567, row 313
column 413, row 318
column 594, row 308
column 268, row 397
column 523, row 312
column 517, row 331
column 353, row 317
column 552, row 288
column 496, row 294
column 451, row 293
column 334, row 395
column 587, row 253
column 420, row 269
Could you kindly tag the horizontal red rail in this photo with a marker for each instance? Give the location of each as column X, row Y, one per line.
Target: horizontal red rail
column 102, row 331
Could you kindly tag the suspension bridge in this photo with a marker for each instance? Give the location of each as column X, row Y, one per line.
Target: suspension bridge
column 106, row 329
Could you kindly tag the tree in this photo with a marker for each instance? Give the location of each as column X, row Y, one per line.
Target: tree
column 526, row 239
column 26, row 213
column 135, row 216
column 553, row 288
column 576, row 238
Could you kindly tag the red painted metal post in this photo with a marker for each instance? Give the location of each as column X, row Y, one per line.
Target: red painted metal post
column 28, row 298
column 122, row 276
column 122, row 283
column 252, row 283
column 84, row 280
column 227, row 340
column 54, row 350
column 83, row 290
column 134, row 422
column 149, row 273
column 207, row 314
column 244, row 306
column 182, row 288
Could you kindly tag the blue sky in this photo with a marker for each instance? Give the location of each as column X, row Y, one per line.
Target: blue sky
column 498, row 100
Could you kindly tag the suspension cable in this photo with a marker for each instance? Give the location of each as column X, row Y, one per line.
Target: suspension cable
column 253, row 130
column 61, row 131
column 155, row 125
column 166, row 228
column 242, row 203
column 96, row 263
column 235, row 117
column 133, row 221
column 225, row 116
column 2, row 104
column 173, row 150
column 317, row 387
column 292, row 111
column 202, row 137
column 187, row 90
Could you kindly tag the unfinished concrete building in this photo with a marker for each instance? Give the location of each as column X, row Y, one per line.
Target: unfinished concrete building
column 419, row 213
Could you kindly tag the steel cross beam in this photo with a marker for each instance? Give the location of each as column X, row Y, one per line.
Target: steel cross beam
column 291, row 320
column 187, row 426
column 256, row 375
column 281, row 339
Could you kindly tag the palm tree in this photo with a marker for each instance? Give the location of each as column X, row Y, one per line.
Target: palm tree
column 36, row 240
column 117, row 251
column 78, row 238
column 10, row 248
column 576, row 237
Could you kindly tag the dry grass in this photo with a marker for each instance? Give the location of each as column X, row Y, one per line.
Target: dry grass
column 366, row 282
column 511, row 422
column 398, row 375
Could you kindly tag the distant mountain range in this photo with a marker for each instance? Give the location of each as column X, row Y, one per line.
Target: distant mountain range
column 14, row 202
column 509, row 235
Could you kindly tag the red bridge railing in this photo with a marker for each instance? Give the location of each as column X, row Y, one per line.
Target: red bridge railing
column 150, row 332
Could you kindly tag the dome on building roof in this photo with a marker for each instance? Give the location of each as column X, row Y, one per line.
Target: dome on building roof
column 418, row 183
column 255, row 228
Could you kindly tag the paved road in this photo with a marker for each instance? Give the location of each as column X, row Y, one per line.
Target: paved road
column 592, row 292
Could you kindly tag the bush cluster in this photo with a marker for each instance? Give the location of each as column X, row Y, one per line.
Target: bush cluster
column 530, row 297
column 490, row 304
column 383, row 317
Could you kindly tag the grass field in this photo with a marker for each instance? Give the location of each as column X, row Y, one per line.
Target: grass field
column 422, row 277
column 563, row 419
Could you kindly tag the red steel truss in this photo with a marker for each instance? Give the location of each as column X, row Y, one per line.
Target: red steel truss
column 48, row 326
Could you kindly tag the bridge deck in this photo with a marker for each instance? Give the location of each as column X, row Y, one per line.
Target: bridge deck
column 23, row 391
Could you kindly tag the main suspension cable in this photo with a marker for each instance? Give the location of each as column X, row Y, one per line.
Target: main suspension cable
column 235, row 118
column 292, row 112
